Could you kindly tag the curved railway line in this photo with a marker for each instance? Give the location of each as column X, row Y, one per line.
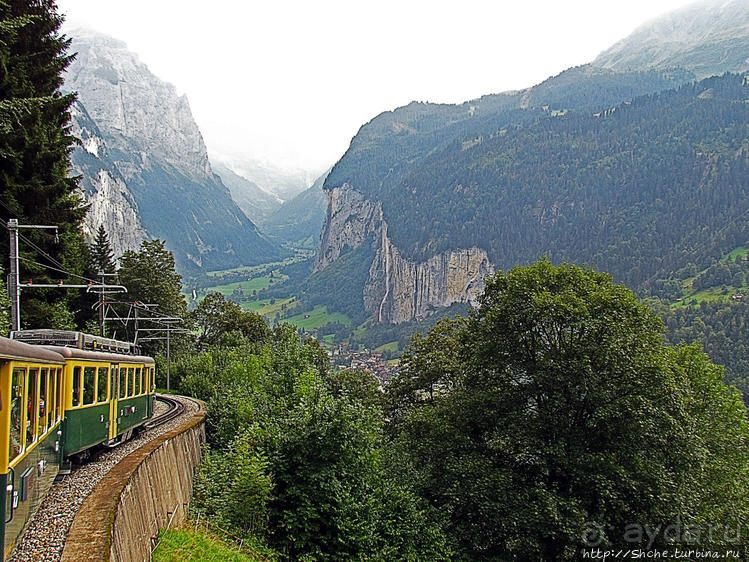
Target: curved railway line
column 44, row 538
column 176, row 408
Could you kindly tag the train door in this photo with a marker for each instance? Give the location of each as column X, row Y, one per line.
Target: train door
column 114, row 390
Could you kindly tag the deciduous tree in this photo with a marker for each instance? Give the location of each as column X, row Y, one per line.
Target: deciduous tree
column 569, row 420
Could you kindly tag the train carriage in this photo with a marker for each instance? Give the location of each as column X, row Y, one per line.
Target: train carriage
column 31, row 413
column 106, row 396
column 58, row 399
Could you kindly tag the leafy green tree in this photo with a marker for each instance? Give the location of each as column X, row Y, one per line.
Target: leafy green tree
column 296, row 465
column 34, row 147
column 355, row 384
column 215, row 318
column 151, row 279
column 428, row 367
column 568, row 416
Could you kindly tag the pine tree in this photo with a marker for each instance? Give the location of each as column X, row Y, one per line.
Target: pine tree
column 102, row 257
column 34, row 151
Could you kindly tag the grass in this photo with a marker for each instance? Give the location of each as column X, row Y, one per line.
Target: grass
column 740, row 251
column 390, row 346
column 317, row 317
column 185, row 545
column 254, row 284
column 712, row 294
column 265, row 308
column 250, row 269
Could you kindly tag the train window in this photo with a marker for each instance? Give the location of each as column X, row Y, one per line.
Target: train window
column 77, row 383
column 131, row 376
column 60, row 395
column 123, row 382
column 32, row 405
column 89, row 382
column 52, row 393
column 101, row 384
column 43, row 401
column 16, row 400
column 139, row 378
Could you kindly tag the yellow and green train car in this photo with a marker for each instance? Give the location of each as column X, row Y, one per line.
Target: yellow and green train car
column 55, row 402
column 106, row 396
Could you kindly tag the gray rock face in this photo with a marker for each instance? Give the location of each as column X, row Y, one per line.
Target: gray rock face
column 349, row 221
column 133, row 108
column 398, row 290
column 708, row 38
column 145, row 169
column 104, row 188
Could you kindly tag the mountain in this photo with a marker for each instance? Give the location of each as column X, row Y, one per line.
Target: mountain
column 589, row 166
column 254, row 201
column 110, row 201
column 145, row 166
column 284, row 183
column 367, row 213
column 299, row 220
column 708, row 38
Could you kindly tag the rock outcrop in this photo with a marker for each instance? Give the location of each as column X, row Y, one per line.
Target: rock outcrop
column 349, row 221
column 144, row 165
column 398, row 290
column 110, row 202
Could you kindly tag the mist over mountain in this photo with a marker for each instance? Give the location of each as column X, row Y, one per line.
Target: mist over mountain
column 299, row 220
column 707, row 38
column 284, row 183
column 144, row 156
column 257, row 203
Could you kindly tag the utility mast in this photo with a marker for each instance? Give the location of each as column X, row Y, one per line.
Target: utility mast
column 15, row 286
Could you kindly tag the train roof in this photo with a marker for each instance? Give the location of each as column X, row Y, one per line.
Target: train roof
column 84, row 354
column 68, row 338
column 15, row 350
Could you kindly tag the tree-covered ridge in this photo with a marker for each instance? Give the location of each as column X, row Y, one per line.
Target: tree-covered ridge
column 386, row 149
column 645, row 187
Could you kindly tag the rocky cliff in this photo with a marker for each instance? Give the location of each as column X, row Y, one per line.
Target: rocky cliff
column 105, row 190
column 144, row 165
column 397, row 289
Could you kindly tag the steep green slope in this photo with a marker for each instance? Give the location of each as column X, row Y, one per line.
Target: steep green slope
column 639, row 189
column 299, row 220
column 386, row 150
column 634, row 191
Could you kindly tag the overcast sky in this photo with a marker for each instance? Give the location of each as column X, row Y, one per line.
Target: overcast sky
column 290, row 82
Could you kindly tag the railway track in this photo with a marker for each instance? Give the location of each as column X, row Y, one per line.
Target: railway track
column 176, row 408
column 44, row 538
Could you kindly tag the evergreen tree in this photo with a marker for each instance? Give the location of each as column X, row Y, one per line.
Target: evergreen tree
column 102, row 257
column 34, row 150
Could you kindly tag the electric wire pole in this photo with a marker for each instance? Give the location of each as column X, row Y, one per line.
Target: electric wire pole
column 15, row 286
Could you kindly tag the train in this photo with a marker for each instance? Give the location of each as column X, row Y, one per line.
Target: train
column 62, row 394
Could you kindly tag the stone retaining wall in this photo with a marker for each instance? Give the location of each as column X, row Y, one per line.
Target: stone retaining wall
column 139, row 496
